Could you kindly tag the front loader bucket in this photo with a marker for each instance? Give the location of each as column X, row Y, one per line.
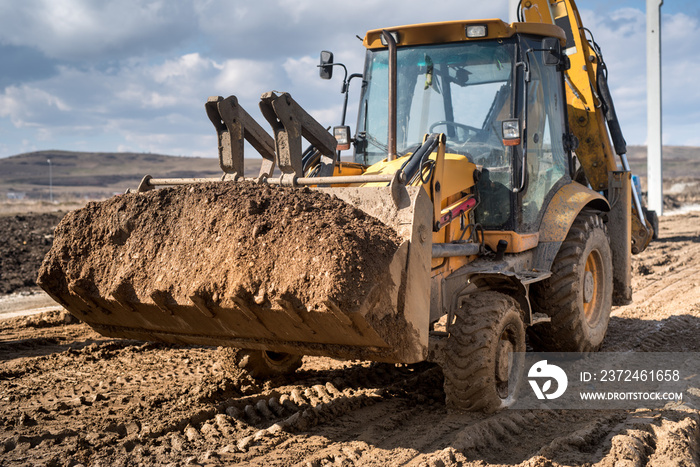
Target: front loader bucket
column 253, row 266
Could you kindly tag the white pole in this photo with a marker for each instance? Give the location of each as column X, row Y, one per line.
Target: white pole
column 50, row 180
column 654, row 142
column 513, row 10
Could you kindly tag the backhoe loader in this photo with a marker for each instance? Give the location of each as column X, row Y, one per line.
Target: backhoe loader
column 489, row 150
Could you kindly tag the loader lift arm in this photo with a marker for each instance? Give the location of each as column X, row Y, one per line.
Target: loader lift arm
column 234, row 126
column 290, row 122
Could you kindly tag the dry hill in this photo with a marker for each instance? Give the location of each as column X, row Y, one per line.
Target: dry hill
column 92, row 175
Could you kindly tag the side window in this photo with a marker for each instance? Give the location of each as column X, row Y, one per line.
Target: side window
column 375, row 119
column 547, row 162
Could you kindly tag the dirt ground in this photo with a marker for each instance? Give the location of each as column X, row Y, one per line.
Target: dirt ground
column 25, row 239
column 70, row 396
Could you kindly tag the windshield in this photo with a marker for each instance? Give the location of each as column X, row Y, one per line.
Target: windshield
column 460, row 89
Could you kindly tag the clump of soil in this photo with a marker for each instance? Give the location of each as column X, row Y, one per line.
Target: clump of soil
column 24, row 240
column 255, row 242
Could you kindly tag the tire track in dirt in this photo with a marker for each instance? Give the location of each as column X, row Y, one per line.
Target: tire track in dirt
column 70, row 396
column 678, row 280
column 364, row 414
column 103, row 388
column 655, row 438
column 665, row 314
column 568, row 438
column 326, row 407
column 403, row 402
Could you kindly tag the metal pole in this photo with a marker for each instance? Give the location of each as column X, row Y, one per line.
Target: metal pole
column 654, row 141
column 50, row 180
column 392, row 95
column 513, row 10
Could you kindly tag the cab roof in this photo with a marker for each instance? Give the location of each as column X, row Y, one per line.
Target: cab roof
column 455, row 31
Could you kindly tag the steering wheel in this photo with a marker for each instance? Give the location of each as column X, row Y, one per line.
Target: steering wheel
column 470, row 130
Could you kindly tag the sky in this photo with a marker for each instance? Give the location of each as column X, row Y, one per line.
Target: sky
column 133, row 75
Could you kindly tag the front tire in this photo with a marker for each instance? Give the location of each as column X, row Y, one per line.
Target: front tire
column 578, row 295
column 484, row 354
column 262, row 364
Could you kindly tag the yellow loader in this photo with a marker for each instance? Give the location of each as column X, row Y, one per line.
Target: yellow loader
column 485, row 201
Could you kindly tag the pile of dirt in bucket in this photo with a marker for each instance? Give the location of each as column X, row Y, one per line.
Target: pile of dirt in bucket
column 241, row 239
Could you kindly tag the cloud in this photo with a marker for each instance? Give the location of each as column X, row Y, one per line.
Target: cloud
column 27, row 106
column 86, row 30
column 132, row 72
column 622, row 35
column 277, row 29
column 176, row 144
column 680, row 68
column 247, row 79
column 135, row 74
column 141, row 103
column 22, row 63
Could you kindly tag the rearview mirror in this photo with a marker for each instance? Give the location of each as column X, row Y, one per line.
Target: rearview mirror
column 552, row 51
column 325, row 69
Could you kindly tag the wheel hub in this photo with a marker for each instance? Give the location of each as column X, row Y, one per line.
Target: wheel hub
column 503, row 364
column 588, row 287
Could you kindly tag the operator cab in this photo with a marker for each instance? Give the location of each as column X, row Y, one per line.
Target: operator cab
column 467, row 85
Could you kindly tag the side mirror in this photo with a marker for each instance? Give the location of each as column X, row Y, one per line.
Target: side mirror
column 325, row 68
column 553, row 54
column 552, row 51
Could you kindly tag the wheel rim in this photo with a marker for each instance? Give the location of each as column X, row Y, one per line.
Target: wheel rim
column 275, row 358
column 592, row 285
column 504, row 361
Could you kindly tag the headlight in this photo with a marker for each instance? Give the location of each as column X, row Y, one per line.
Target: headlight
column 395, row 35
column 477, row 31
column 342, row 136
column 511, row 132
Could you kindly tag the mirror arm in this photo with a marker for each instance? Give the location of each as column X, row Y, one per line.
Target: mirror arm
column 346, row 91
column 345, row 79
column 523, row 145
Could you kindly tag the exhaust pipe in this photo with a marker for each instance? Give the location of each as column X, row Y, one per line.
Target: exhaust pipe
column 392, row 93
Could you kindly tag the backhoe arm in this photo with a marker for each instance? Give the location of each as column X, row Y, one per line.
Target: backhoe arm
column 591, row 112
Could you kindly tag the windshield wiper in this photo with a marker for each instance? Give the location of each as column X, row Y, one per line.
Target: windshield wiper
column 375, row 142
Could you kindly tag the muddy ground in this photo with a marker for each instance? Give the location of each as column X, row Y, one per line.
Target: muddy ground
column 24, row 240
column 70, row 396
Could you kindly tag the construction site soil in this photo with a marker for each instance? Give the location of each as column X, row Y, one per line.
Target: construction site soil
column 70, row 396
column 24, row 241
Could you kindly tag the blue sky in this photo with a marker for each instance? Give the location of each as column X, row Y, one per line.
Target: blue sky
column 133, row 75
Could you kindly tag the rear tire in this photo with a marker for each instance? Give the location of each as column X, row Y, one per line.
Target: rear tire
column 578, row 295
column 481, row 367
column 653, row 220
column 262, row 364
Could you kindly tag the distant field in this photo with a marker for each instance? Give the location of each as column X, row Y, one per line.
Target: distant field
column 84, row 176
column 80, row 176
column 678, row 161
